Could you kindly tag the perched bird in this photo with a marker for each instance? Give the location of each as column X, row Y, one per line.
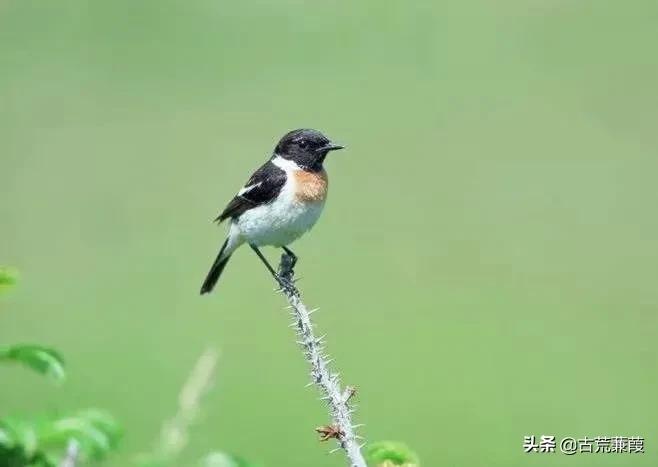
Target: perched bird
column 280, row 202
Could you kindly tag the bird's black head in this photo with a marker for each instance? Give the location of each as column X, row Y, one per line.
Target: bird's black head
column 307, row 148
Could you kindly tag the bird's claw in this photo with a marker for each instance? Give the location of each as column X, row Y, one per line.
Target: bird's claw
column 285, row 282
column 288, row 263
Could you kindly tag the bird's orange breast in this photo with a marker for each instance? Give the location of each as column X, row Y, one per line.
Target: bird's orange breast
column 311, row 186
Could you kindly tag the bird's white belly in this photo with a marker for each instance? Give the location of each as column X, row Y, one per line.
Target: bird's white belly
column 280, row 222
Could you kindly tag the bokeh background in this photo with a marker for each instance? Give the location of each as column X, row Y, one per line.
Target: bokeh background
column 486, row 266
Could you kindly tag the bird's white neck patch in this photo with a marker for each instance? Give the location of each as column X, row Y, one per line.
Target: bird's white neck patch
column 285, row 164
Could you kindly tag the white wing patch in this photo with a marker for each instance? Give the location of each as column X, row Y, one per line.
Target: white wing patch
column 248, row 188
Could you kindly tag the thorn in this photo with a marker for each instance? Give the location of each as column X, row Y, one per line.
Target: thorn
column 350, row 391
column 358, row 425
column 361, row 446
column 334, row 450
column 310, row 312
column 308, row 385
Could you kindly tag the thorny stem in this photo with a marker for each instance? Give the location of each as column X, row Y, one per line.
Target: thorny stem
column 328, row 382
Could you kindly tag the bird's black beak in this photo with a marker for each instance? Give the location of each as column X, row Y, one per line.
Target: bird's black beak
column 330, row 147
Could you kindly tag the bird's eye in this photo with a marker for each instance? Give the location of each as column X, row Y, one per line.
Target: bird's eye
column 303, row 144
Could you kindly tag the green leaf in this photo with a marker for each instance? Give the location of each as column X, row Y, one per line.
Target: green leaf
column 39, row 358
column 20, row 434
column 96, row 431
column 104, row 422
column 93, row 441
column 20, row 444
column 44, row 441
column 12, row 457
column 390, row 453
column 6, row 438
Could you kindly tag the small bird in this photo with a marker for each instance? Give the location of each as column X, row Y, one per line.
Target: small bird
column 281, row 200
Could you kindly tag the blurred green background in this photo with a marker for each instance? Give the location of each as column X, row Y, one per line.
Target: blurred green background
column 486, row 266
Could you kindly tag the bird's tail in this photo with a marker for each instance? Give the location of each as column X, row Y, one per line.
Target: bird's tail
column 218, row 266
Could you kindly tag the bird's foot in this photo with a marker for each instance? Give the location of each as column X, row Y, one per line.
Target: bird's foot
column 286, row 272
column 288, row 263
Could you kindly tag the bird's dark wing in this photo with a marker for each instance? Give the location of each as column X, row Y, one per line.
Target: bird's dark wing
column 262, row 187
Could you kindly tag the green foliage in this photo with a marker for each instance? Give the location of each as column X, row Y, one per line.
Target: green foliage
column 97, row 432
column 390, row 453
column 18, row 458
column 18, row 437
column 43, row 441
column 42, row 359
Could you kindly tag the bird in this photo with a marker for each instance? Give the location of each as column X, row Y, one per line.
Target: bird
column 280, row 202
